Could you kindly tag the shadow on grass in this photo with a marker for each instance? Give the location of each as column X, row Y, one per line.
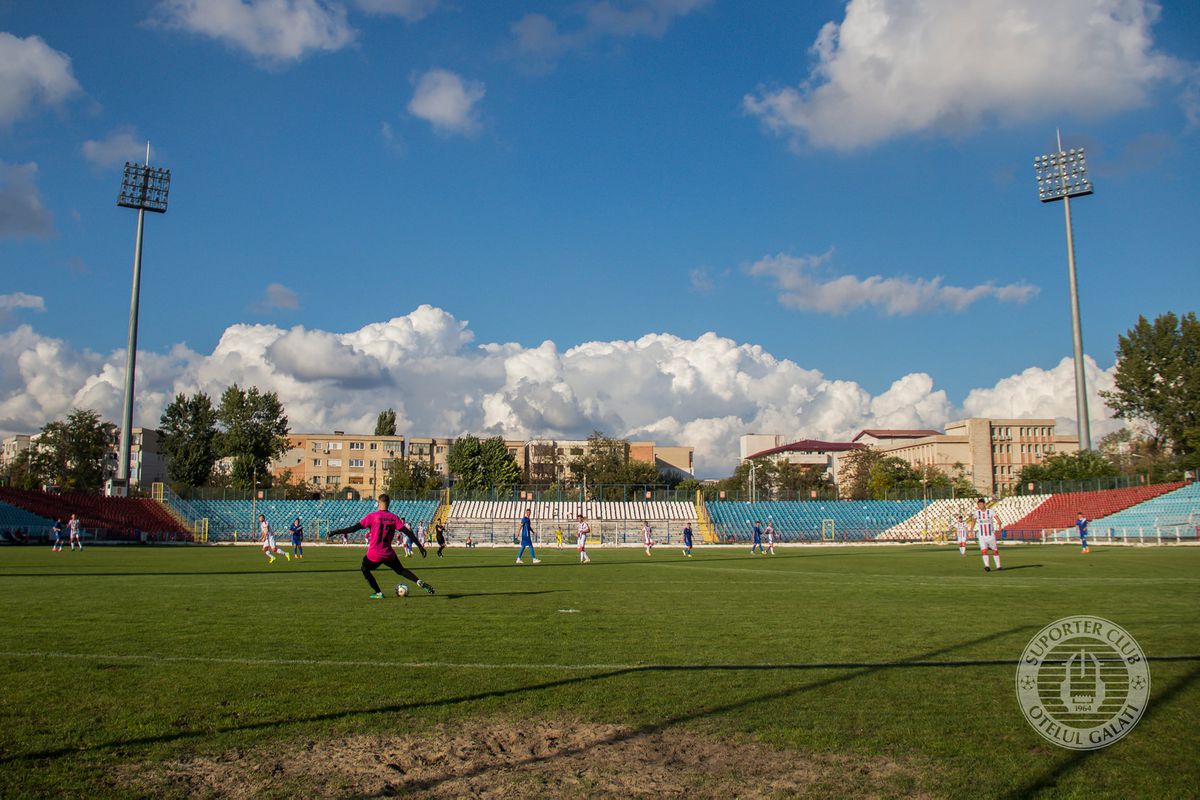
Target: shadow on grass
column 1049, row 780
column 856, row 670
column 1021, row 566
column 177, row 573
column 461, row 595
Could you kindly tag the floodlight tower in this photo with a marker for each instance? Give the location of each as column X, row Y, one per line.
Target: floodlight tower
column 145, row 188
column 1060, row 176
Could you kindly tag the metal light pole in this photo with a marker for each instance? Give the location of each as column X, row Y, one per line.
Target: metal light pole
column 1060, row 176
column 145, row 188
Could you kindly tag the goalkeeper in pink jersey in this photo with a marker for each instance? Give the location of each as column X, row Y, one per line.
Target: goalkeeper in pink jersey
column 381, row 528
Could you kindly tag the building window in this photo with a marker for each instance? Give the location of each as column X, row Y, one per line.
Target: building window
column 440, row 450
column 357, row 446
column 335, row 462
column 318, row 446
column 356, row 462
column 316, row 462
column 393, row 447
column 356, row 479
column 335, row 446
column 316, row 479
column 373, row 445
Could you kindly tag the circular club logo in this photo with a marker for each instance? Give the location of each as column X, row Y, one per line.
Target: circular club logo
column 1083, row 682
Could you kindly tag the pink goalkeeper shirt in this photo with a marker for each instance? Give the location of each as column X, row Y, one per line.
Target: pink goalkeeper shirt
column 381, row 527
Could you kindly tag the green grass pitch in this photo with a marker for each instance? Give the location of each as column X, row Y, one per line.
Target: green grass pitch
column 889, row 669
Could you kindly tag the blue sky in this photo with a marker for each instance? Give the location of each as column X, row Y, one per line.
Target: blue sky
column 593, row 173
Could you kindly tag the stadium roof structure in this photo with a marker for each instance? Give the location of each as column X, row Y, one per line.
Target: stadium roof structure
column 807, row 446
column 891, row 433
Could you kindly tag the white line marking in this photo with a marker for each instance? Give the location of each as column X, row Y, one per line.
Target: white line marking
column 311, row 662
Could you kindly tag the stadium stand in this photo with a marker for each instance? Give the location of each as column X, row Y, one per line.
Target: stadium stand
column 14, row 518
column 1178, row 511
column 813, row 520
column 464, row 510
column 121, row 517
column 938, row 518
column 498, row 522
column 1059, row 510
column 227, row 517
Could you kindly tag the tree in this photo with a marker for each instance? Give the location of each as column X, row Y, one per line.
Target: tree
column 1081, row 466
column 606, row 461
column 385, row 425
column 465, row 462
column 499, row 466
column 854, row 473
column 411, row 476
column 188, row 438
column 22, row 472
column 71, row 453
column 293, row 487
column 891, row 474
column 544, row 463
column 791, row 481
column 1158, row 379
column 1134, row 453
column 477, row 465
column 255, row 432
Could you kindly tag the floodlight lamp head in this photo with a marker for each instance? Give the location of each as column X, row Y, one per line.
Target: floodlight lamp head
column 145, row 188
column 1062, row 174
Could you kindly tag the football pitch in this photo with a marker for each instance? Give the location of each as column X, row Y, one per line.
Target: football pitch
column 821, row 671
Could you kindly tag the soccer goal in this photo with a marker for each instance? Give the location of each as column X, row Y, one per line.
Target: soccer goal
column 828, row 530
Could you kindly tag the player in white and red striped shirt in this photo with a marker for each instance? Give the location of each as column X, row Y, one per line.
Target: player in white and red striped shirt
column 582, row 531
column 986, row 526
column 961, row 530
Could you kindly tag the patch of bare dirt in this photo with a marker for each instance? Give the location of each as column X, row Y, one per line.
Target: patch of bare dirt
column 532, row 759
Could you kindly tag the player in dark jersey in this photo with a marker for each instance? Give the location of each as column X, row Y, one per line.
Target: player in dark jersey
column 297, row 538
column 439, row 533
column 381, row 528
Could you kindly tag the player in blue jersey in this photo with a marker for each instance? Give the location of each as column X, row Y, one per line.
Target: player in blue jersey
column 1081, row 522
column 58, row 536
column 757, row 538
column 297, row 538
column 527, row 539
column 687, row 539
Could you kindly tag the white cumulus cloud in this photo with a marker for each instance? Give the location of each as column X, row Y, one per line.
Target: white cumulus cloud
column 805, row 282
column 705, row 391
column 278, row 297
column 32, row 73
column 273, row 30
column 119, row 146
column 446, row 101
column 896, row 67
column 540, row 37
column 1048, row 394
column 19, row 301
column 21, row 209
column 408, row 10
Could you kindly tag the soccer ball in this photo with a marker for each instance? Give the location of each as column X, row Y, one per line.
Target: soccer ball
column 401, row 589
